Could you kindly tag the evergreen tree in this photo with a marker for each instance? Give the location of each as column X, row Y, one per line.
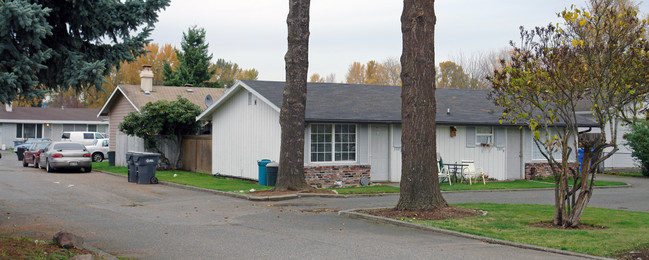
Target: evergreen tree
column 62, row 44
column 194, row 62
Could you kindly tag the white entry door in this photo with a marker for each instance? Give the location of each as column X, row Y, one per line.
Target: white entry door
column 379, row 152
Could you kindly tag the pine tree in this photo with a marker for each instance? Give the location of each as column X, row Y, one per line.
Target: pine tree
column 63, row 44
column 194, row 67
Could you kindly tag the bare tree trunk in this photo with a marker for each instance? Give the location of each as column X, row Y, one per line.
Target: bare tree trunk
column 419, row 181
column 290, row 174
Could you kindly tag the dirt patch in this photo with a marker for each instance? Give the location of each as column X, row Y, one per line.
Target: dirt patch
column 273, row 192
column 640, row 254
column 580, row 227
column 263, row 193
column 27, row 248
column 321, row 210
column 436, row 214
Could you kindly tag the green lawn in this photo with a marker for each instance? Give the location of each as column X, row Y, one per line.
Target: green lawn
column 623, row 230
column 500, row 185
column 192, row 179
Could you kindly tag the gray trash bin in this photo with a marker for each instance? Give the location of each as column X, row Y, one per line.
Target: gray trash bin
column 271, row 173
column 145, row 166
column 130, row 162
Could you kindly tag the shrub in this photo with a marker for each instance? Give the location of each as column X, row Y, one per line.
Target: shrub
column 638, row 141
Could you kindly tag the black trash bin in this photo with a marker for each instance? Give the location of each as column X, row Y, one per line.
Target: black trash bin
column 19, row 152
column 271, row 173
column 145, row 164
column 111, row 158
column 130, row 162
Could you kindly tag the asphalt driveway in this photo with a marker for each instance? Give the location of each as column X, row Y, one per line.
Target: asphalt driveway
column 162, row 222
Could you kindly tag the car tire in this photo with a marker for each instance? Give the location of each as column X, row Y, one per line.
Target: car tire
column 24, row 163
column 35, row 163
column 47, row 167
column 97, row 157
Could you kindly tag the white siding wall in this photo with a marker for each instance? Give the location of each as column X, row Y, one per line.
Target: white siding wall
column 453, row 149
column 7, row 134
column 621, row 159
column 242, row 134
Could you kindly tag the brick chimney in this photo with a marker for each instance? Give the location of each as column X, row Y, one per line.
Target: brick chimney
column 146, row 78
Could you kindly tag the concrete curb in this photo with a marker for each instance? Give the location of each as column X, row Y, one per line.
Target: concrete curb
column 350, row 213
column 99, row 252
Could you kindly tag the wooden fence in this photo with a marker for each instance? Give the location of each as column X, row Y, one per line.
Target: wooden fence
column 197, row 153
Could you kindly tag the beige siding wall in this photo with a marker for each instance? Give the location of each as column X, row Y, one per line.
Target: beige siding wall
column 245, row 130
column 118, row 111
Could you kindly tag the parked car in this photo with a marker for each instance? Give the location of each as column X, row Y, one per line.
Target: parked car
column 33, row 154
column 98, row 150
column 66, row 155
column 20, row 149
column 85, row 138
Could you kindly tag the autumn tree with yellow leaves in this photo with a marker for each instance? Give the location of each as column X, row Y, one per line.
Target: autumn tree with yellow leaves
column 598, row 55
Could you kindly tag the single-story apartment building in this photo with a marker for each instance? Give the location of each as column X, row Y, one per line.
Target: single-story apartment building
column 353, row 131
column 21, row 123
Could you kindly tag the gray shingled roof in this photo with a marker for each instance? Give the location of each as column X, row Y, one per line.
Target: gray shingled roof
column 50, row 114
column 334, row 102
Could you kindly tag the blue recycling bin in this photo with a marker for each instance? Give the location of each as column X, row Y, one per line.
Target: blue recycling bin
column 262, row 171
column 580, row 157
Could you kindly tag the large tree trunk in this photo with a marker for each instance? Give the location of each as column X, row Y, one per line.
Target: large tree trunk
column 419, row 181
column 291, row 157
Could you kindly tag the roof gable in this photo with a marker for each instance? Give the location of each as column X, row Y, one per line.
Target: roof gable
column 139, row 98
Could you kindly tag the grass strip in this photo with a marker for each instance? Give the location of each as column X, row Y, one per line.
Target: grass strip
column 499, row 185
column 195, row 179
column 622, row 231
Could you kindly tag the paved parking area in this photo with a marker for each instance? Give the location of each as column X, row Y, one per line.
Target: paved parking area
column 162, row 222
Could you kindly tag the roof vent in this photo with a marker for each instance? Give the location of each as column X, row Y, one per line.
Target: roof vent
column 189, row 90
column 209, row 100
column 147, row 92
column 448, row 111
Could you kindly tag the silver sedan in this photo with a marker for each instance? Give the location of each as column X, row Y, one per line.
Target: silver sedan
column 66, row 155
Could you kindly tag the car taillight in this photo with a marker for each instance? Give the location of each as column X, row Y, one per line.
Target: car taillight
column 86, row 155
column 57, row 155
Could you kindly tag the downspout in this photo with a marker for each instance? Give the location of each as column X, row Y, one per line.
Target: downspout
column 522, row 158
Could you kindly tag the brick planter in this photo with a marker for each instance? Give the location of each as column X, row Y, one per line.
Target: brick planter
column 326, row 176
column 543, row 169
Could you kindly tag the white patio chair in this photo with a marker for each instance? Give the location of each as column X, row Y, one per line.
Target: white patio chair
column 471, row 172
column 442, row 172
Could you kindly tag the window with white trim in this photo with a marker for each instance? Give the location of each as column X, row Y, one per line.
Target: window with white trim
column 484, row 135
column 29, row 130
column 333, row 142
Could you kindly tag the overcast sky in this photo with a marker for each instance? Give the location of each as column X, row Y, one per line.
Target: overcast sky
column 253, row 33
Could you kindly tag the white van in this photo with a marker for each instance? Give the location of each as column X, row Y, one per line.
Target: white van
column 86, row 138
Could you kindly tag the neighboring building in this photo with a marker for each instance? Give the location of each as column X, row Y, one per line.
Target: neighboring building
column 21, row 123
column 354, row 131
column 131, row 98
column 620, row 160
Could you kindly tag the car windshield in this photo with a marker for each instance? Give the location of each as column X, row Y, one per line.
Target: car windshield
column 68, row 146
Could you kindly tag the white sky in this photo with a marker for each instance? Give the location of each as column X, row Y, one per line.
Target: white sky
column 253, row 33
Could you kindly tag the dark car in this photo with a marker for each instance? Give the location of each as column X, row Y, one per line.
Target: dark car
column 20, row 149
column 33, row 153
column 66, row 155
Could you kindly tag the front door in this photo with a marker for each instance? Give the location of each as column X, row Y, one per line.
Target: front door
column 379, row 152
column 514, row 154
